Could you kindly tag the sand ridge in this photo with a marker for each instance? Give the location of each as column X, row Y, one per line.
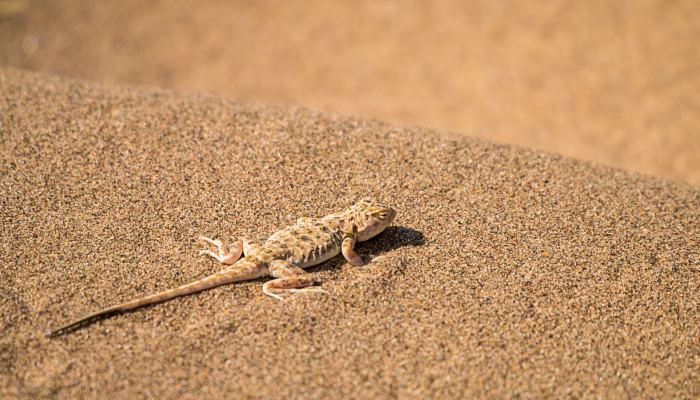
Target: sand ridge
column 613, row 82
column 510, row 272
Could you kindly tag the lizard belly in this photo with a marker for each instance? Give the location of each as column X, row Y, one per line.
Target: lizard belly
column 321, row 257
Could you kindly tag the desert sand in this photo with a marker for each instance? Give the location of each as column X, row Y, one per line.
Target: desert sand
column 509, row 272
column 609, row 81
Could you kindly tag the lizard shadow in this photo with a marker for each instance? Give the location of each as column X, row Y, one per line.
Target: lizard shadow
column 392, row 238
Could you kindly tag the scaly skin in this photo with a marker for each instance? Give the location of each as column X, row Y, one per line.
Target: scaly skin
column 283, row 256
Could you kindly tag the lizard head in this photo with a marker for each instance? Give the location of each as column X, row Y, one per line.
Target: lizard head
column 371, row 218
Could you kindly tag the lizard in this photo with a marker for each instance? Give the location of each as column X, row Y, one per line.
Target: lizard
column 283, row 256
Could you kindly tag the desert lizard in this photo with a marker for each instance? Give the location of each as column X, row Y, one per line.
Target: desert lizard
column 283, row 256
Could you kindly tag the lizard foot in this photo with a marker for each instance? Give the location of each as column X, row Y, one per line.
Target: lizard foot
column 290, row 279
column 224, row 254
column 282, row 294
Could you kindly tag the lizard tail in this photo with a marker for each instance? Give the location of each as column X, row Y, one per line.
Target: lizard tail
column 241, row 271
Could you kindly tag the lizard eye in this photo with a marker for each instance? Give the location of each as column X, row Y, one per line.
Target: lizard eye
column 383, row 215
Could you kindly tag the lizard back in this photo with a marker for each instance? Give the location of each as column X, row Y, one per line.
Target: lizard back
column 307, row 243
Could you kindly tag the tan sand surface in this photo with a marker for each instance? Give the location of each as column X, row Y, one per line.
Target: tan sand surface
column 510, row 272
column 615, row 82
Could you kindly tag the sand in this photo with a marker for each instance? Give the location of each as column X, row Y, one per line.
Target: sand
column 609, row 81
column 510, row 272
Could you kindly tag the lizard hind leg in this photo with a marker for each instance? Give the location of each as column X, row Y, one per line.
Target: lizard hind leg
column 225, row 254
column 290, row 279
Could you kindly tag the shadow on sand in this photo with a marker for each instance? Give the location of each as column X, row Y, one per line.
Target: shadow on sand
column 392, row 238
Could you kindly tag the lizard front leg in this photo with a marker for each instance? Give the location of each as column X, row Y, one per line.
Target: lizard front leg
column 225, row 254
column 348, row 248
column 290, row 279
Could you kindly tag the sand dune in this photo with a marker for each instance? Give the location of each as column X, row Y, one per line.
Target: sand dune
column 608, row 81
column 510, row 272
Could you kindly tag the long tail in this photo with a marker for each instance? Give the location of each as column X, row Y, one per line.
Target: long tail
column 242, row 270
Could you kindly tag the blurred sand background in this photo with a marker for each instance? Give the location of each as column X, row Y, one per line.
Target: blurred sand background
column 511, row 272
column 608, row 81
